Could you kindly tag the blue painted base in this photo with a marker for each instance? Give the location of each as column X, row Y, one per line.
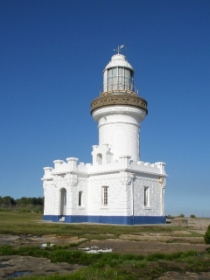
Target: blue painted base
column 120, row 220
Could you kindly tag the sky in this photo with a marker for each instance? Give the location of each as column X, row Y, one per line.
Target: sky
column 52, row 55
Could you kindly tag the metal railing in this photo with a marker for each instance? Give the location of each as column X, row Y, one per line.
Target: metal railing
column 119, row 87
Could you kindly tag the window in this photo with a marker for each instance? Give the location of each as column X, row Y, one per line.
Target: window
column 63, row 202
column 80, row 199
column 146, row 196
column 105, row 196
column 114, row 78
column 99, row 158
column 110, row 79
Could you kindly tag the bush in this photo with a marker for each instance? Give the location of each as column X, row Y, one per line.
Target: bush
column 192, row 216
column 207, row 236
column 181, row 215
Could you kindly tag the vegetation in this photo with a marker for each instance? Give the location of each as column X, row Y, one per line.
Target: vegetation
column 98, row 266
column 26, row 204
column 192, row 216
column 8, row 201
column 115, row 266
column 181, row 216
column 207, row 235
column 31, row 223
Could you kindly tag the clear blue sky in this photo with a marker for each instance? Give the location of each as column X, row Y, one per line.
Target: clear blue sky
column 52, row 54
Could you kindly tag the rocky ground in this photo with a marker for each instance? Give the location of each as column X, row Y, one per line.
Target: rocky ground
column 172, row 275
column 10, row 265
column 144, row 243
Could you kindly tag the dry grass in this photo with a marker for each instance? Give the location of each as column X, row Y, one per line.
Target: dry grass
column 12, row 222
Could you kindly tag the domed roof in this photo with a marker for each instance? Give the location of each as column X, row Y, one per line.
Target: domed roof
column 118, row 60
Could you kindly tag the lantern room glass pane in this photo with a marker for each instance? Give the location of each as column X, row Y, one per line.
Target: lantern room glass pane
column 127, row 78
column 120, row 71
column 121, row 82
column 109, row 80
column 127, row 73
column 114, row 79
column 110, row 73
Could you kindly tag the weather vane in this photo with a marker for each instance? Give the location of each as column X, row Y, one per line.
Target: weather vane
column 118, row 49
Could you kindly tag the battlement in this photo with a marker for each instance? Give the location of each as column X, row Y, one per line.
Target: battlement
column 124, row 163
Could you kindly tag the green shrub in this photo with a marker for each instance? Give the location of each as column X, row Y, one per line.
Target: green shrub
column 6, row 250
column 192, row 216
column 181, row 215
column 207, row 236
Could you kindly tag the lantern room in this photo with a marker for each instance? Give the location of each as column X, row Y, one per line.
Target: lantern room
column 118, row 76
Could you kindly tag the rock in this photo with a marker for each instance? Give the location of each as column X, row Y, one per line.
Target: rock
column 33, row 266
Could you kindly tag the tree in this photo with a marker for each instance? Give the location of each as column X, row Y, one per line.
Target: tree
column 192, row 216
column 207, row 236
column 7, row 201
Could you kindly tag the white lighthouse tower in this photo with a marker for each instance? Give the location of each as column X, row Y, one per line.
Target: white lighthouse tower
column 119, row 110
column 117, row 188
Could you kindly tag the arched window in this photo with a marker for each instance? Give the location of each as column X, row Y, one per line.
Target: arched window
column 80, row 198
column 99, row 158
column 63, row 202
column 146, row 196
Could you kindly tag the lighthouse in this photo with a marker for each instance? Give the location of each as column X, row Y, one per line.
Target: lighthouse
column 117, row 187
column 119, row 110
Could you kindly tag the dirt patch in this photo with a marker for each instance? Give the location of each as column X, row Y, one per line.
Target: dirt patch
column 163, row 238
column 17, row 240
column 143, row 248
column 180, row 232
column 171, row 275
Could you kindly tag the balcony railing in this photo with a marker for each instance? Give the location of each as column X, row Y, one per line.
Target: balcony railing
column 119, row 87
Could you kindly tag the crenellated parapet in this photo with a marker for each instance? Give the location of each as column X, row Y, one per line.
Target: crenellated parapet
column 102, row 163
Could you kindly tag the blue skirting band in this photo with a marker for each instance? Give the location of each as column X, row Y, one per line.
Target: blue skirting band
column 121, row 220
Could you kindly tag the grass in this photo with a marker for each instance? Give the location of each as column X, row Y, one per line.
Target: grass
column 101, row 266
column 113, row 265
column 31, row 223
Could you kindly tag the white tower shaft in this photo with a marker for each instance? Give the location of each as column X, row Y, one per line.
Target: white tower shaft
column 119, row 128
